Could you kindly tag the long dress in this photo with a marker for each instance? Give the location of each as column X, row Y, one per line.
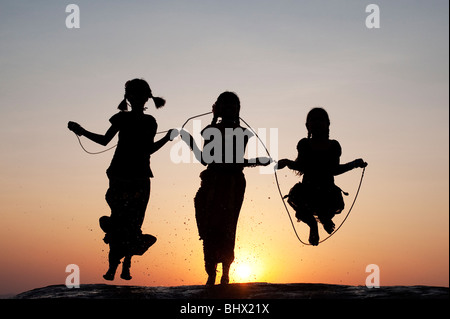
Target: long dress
column 218, row 203
column 129, row 186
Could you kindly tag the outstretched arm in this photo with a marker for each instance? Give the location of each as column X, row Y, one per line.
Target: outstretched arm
column 294, row 165
column 97, row 138
column 259, row 161
column 171, row 134
column 189, row 140
column 343, row 168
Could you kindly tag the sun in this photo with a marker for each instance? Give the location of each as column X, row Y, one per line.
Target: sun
column 243, row 272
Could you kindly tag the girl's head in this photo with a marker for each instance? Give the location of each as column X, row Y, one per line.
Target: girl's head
column 137, row 92
column 318, row 123
column 227, row 107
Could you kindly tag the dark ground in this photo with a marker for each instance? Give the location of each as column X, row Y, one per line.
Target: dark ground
column 250, row 300
column 238, row 291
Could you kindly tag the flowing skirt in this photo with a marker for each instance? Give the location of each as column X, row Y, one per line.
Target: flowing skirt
column 217, row 205
column 128, row 201
column 321, row 200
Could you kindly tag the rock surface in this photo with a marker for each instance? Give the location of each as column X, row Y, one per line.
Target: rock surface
column 237, row 291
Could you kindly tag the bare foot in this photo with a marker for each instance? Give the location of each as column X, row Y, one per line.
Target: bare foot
column 329, row 226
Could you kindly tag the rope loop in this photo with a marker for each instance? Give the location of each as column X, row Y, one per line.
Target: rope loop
column 275, row 175
column 284, row 202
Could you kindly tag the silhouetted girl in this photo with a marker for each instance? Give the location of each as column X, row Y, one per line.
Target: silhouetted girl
column 218, row 201
column 129, row 175
column 319, row 161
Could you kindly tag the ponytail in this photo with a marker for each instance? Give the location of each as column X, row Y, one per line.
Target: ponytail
column 159, row 101
column 141, row 88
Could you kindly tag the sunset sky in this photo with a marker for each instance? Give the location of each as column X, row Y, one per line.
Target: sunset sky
column 385, row 89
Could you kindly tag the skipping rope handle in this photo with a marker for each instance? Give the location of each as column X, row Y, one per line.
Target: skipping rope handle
column 75, row 127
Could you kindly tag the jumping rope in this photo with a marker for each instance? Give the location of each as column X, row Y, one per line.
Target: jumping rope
column 93, row 153
column 275, row 175
column 161, row 132
column 284, row 202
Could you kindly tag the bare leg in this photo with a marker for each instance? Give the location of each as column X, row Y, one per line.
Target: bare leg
column 113, row 263
column 313, row 233
column 327, row 222
column 126, row 268
column 225, row 273
column 211, row 271
column 309, row 219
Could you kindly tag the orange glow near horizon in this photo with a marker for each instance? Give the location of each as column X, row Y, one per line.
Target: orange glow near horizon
column 387, row 101
column 56, row 228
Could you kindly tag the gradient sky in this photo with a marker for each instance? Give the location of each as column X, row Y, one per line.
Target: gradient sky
column 386, row 91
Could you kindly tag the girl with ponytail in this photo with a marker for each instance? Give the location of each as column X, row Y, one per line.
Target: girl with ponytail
column 318, row 161
column 129, row 174
column 139, row 87
column 221, row 194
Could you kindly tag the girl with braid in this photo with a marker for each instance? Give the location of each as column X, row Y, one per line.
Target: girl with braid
column 318, row 161
column 129, row 175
